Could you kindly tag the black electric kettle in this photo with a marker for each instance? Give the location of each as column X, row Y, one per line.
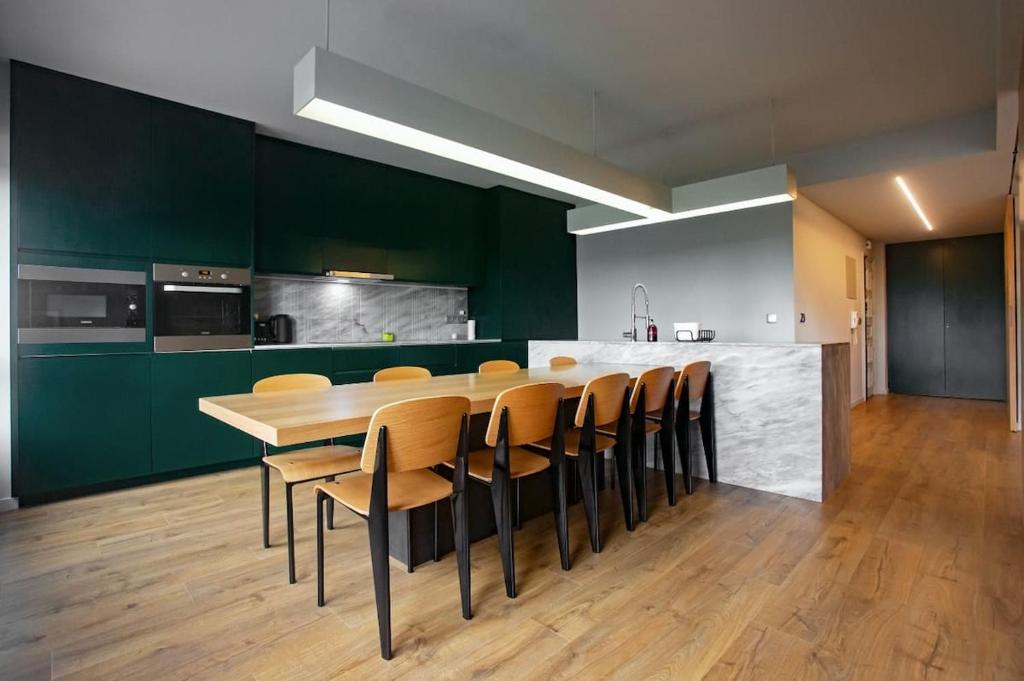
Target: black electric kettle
column 282, row 328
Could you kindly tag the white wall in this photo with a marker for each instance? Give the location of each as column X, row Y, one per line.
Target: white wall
column 5, row 284
column 821, row 244
column 726, row 271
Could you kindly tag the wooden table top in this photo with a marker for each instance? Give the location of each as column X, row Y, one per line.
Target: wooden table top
column 291, row 417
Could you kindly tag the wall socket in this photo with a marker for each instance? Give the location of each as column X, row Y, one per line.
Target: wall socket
column 772, row 318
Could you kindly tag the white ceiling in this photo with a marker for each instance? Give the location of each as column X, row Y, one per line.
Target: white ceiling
column 683, row 87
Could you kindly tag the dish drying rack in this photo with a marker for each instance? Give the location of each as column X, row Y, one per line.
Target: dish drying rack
column 703, row 336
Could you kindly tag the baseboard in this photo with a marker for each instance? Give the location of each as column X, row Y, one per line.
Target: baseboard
column 854, row 404
column 8, row 504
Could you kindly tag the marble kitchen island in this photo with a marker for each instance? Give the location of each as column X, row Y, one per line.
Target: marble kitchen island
column 782, row 410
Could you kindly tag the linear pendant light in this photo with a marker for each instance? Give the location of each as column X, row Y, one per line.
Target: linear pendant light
column 341, row 92
column 762, row 187
column 913, row 202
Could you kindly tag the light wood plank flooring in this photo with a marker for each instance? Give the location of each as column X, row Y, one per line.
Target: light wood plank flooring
column 914, row 570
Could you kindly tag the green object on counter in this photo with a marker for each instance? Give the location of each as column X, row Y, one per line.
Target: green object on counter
column 387, row 337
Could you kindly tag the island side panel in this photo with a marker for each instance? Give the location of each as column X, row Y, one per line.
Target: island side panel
column 767, row 403
column 835, row 416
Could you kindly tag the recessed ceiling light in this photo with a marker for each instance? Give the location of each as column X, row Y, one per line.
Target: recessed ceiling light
column 913, row 202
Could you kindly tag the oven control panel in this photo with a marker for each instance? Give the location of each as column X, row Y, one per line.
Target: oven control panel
column 236, row 276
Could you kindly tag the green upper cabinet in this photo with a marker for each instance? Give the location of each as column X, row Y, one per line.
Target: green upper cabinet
column 81, row 156
column 184, row 437
column 529, row 291
column 317, row 210
column 202, row 186
column 82, row 421
column 101, row 170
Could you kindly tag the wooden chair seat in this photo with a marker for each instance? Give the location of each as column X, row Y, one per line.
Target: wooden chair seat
column 521, row 463
column 316, row 462
column 572, row 442
column 406, row 489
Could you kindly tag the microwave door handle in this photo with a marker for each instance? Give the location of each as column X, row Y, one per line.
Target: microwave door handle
column 172, row 288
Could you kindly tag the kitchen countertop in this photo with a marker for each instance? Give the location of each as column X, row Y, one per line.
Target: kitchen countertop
column 372, row 344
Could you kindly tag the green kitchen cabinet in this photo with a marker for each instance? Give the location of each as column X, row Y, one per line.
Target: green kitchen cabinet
column 184, row 437
column 529, row 289
column 441, row 360
column 290, row 361
column 81, row 156
column 82, row 421
column 202, row 186
column 471, row 355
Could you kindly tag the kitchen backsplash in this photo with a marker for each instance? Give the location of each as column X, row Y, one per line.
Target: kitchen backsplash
column 333, row 312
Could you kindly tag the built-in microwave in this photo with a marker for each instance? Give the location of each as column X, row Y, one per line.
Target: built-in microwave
column 201, row 308
column 80, row 305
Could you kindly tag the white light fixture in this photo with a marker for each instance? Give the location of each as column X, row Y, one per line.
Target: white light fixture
column 337, row 91
column 913, row 202
column 756, row 188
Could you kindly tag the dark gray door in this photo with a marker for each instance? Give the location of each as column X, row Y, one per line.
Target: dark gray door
column 914, row 301
column 975, row 317
column 946, row 323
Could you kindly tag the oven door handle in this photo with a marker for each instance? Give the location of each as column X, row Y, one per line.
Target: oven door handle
column 177, row 288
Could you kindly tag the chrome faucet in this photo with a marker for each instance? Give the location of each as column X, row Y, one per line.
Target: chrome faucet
column 646, row 316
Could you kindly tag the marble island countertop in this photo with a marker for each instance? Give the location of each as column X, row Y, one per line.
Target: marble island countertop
column 372, row 344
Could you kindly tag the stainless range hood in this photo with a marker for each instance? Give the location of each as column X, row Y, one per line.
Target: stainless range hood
column 364, row 276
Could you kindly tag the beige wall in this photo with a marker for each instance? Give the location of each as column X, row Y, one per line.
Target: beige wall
column 821, row 244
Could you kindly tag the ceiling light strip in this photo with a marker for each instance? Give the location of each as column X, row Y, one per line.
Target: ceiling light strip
column 338, row 91
column 914, row 203
column 687, row 214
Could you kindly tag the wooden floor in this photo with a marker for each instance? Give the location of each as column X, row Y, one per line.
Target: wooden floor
column 914, row 570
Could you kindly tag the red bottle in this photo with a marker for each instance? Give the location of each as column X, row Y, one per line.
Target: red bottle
column 652, row 332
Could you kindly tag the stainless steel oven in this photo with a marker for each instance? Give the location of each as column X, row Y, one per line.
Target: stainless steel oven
column 80, row 305
column 201, row 308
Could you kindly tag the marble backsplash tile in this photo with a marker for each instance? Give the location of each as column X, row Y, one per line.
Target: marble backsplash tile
column 332, row 312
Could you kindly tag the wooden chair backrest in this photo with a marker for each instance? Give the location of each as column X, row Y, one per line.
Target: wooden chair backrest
column 656, row 382
column 498, row 366
column 532, row 410
column 697, row 372
column 608, row 391
column 421, row 432
column 291, row 382
column 402, row 374
column 562, row 361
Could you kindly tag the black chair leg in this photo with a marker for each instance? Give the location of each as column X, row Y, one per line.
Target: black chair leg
column 378, row 530
column 265, row 495
column 437, row 549
column 683, row 436
column 461, row 532
column 561, row 509
column 710, row 455
column 501, row 500
column 639, row 450
column 330, row 507
column 410, row 566
column 625, row 474
column 668, row 458
column 320, row 549
column 586, row 463
column 519, row 506
column 291, row 532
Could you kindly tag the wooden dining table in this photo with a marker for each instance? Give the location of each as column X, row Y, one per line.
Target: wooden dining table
column 292, row 417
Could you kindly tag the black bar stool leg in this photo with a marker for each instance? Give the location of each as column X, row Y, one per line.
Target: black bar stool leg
column 330, row 507
column 291, row 532
column 320, row 549
column 265, row 496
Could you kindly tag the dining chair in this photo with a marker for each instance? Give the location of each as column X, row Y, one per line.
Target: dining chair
column 300, row 465
column 402, row 374
column 405, row 440
column 561, row 361
column 652, row 410
column 696, row 382
column 521, row 416
column 498, row 366
column 605, row 401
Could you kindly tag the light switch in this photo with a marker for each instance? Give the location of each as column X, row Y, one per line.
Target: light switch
column 773, row 318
